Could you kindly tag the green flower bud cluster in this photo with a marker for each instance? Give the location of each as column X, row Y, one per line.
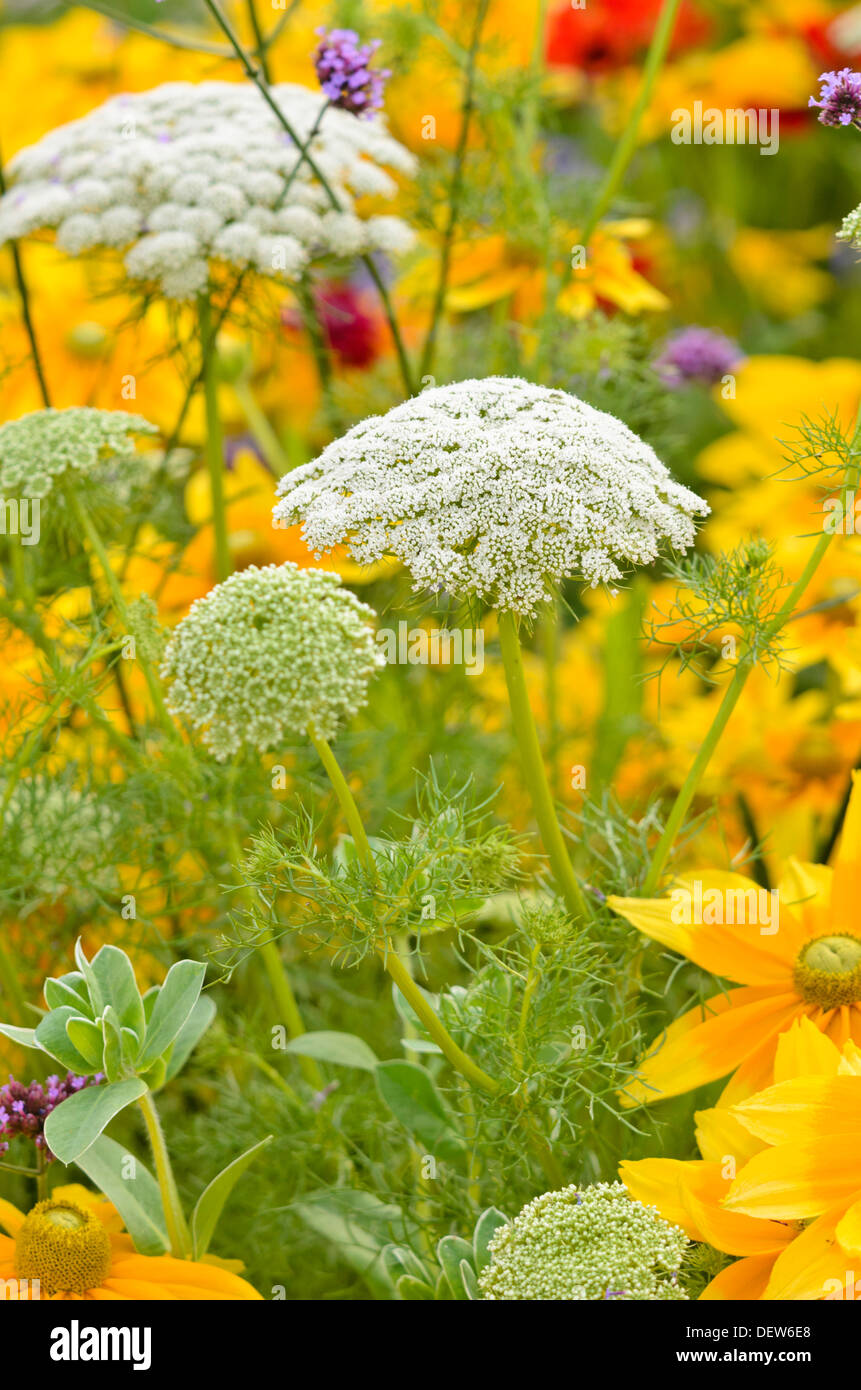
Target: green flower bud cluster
column 547, row 923
column 40, row 449
column 585, row 1243
column 269, row 653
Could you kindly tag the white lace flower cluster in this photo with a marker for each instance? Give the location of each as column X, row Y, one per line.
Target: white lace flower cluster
column 851, row 228
column 187, row 174
column 591, row 1243
column 267, row 653
column 494, row 489
column 39, row 449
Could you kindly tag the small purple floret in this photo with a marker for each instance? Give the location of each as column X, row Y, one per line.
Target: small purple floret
column 696, row 354
column 839, row 98
column 24, row 1109
column 345, row 74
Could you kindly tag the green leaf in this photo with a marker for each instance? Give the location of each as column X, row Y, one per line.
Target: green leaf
column 343, row 1049
column 24, row 1037
column 137, row 1199
column 412, row 1097
column 87, row 1038
column 469, row 1281
column 190, row 1034
column 115, row 974
column 78, row 1122
column 52, row 1037
column 414, row 1290
column 96, row 1001
column 359, row 1226
column 452, row 1252
column 485, row 1229
column 68, row 989
column 211, row 1202
column 176, row 999
column 113, row 1044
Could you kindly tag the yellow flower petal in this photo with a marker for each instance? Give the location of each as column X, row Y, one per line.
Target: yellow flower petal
column 810, row 1107
column 849, row 1231
column 813, row 1258
column 11, row 1219
column 804, row 1050
column 746, row 1280
column 793, row 1182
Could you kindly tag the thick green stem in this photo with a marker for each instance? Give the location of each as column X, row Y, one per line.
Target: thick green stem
column 121, row 609
column 386, row 951
column 628, row 140
column 214, row 442
column 533, row 768
column 177, row 1228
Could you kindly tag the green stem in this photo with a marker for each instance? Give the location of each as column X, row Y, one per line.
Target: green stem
column 456, row 189
column 285, row 999
column 214, row 442
column 262, row 57
column 177, row 1229
column 533, row 768
column 120, row 608
column 262, row 86
column 24, row 296
column 728, row 704
column 628, row 140
column 270, row 444
column 388, row 955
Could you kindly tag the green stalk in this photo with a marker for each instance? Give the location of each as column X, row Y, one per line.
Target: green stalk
column 177, row 1228
column 262, row 86
column 288, row 1009
column 534, row 770
column 388, row 955
column 628, row 141
column 214, row 442
column 24, row 296
column 728, row 704
column 120, row 608
column 270, row 444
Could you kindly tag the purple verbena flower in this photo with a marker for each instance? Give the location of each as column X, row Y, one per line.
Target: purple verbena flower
column 345, row 74
column 24, row 1109
column 839, row 98
column 696, row 354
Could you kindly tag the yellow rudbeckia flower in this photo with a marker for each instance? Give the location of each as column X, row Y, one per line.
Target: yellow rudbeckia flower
column 807, row 963
column 696, row 1195
column 73, row 1245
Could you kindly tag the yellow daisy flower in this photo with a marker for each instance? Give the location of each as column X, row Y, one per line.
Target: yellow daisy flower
column 806, row 962
column 695, row 1194
column 73, row 1245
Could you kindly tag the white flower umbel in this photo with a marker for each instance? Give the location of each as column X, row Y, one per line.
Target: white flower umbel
column 495, row 490
column 191, row 174
column 586, row 1243
column 271, row 652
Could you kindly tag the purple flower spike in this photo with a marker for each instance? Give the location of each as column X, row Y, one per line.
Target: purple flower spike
column 696, row 354
column 345, row 74
column 839, row 98
column 24, row 1109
